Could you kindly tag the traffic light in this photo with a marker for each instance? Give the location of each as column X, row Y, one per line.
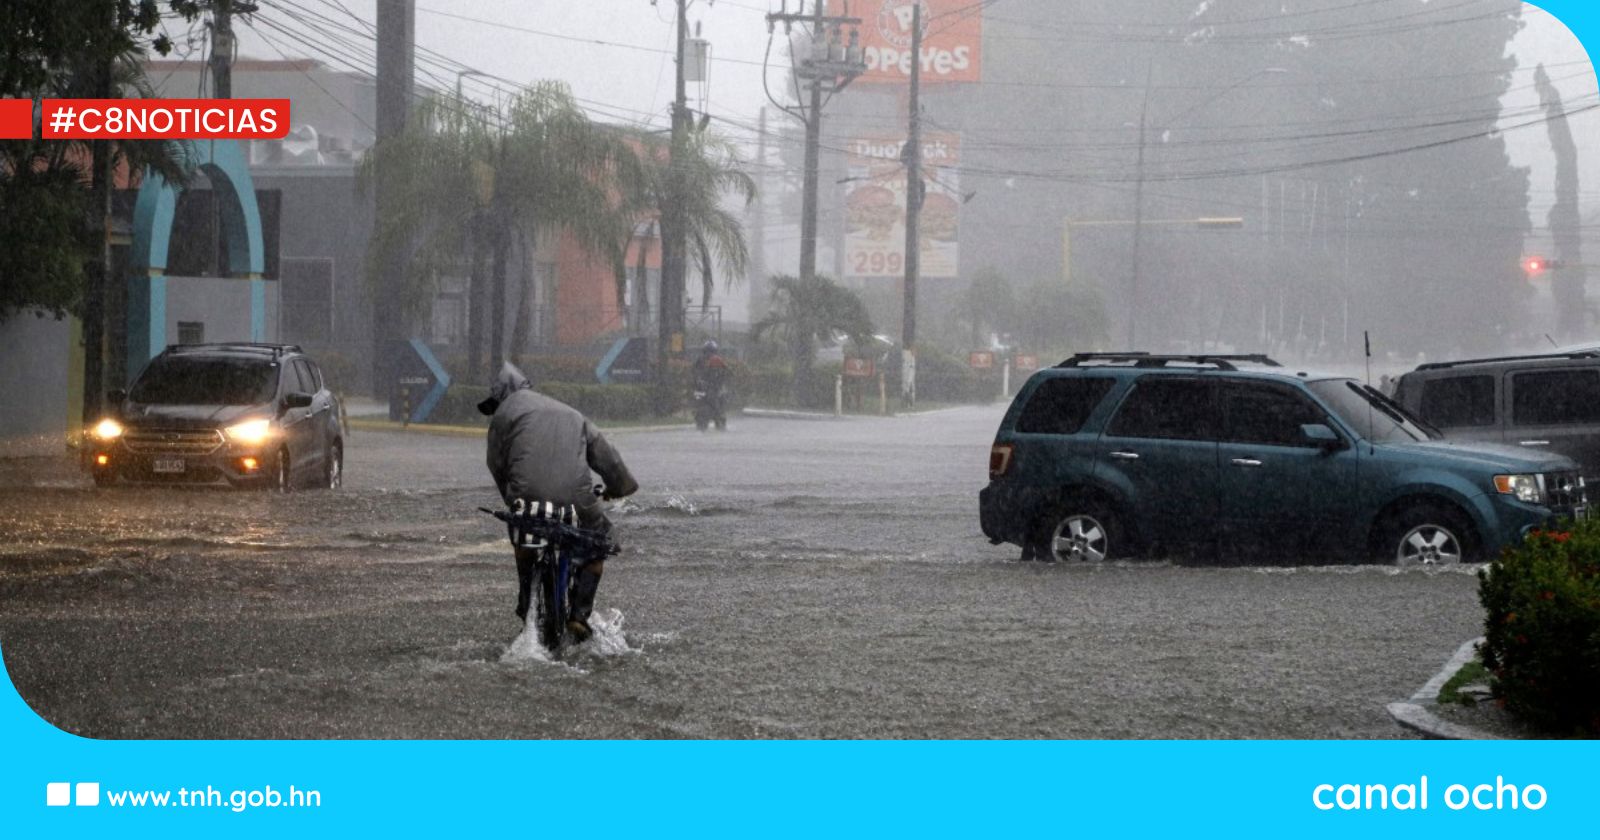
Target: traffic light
column 1536, row 266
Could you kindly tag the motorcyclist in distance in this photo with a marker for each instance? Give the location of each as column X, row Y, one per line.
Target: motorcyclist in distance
column 709, row 376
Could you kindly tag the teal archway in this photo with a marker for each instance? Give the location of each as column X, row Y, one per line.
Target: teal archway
column 223, row 161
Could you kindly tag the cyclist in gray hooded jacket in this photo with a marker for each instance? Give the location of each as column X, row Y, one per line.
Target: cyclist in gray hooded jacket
column 541, row 448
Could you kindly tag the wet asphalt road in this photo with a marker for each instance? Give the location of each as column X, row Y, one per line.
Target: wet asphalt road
column 784, row 579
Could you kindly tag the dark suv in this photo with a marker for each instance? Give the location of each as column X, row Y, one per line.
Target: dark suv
column 1539, row 402
column 245, row 414
column 1110, row 455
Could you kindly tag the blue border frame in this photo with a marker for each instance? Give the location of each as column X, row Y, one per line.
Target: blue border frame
column 975, row 789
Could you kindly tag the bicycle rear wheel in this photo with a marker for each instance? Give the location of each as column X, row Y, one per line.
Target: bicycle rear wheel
column 552, row 604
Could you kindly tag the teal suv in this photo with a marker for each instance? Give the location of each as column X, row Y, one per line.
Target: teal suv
column 1115, row 455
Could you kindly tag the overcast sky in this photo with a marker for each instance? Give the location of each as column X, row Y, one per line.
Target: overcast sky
column 629, row 76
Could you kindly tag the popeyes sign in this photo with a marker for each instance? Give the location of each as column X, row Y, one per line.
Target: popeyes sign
column 952, row 38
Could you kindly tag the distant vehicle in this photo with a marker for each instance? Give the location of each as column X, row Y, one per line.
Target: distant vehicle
column 1112, row 455
column 244, row 414
column 1547, row 402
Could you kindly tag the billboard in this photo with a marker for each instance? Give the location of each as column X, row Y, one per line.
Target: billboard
column 875, row 207
column 952, row 39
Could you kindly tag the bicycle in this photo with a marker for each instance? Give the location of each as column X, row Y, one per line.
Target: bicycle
column 562, row 548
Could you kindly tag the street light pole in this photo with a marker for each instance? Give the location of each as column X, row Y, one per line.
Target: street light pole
column 1067, row 225
column 1138, row 215
column 1138, row 191
column 461, row 74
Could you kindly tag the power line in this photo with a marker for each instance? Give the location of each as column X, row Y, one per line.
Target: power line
column 574, row 38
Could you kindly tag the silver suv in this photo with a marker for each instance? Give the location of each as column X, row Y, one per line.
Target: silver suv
column 245, row 414
column 1549, row 403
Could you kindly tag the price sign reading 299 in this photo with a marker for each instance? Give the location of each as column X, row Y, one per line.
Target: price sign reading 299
column 874, row 262
column 875, row 207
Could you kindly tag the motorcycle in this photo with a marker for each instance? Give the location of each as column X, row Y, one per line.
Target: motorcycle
column 708, row 408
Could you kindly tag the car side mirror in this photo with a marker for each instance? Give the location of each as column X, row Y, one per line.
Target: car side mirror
column 296, row 399
column 1322, row 436
column 116, row 397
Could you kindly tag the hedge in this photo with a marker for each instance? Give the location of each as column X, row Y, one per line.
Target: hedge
column 1542, row 639
column 599, row 402
column 538, row 368
column 941, row 377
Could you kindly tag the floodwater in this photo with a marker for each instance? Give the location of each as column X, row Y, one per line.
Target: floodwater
column 785, row 579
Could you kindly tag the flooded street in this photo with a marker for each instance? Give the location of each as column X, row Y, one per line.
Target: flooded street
column 786, row 579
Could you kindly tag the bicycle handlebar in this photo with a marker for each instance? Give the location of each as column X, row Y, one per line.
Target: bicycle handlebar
column 552, row 529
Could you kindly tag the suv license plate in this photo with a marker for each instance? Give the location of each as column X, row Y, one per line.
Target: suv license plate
column 167, row 465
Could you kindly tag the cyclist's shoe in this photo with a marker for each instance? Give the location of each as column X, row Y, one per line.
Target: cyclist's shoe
column 580, row 630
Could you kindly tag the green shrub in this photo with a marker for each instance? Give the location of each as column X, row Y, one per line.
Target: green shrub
column 600, row 402
column 459, row 405
column 945, row 377
column 338, row 372
column 538, row 368
column 1542, row 639
column 772, row 387
column 578, row 370
column 603, row 402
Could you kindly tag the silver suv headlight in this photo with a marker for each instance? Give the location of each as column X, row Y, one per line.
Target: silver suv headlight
column 1527, row 488
column 250, row 432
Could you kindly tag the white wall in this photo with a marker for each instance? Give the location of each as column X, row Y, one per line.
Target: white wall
column 35, row 354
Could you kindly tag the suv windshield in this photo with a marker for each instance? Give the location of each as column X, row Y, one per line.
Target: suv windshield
column 195, row 381
column 1372, row 415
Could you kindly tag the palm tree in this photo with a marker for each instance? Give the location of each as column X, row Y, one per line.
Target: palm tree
column 987, row 304
column 435, row 209
column 685, row 194
column 468, row 185
column 808, row 312
column 46, row 187
column 559, row 170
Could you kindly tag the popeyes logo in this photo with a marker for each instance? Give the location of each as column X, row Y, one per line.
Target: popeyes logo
column 952, row 36
column 895, row 20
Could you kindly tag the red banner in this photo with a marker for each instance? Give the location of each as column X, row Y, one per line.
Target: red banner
column 16, row 119
column 859, row 367
column 952, row 39
column 165, row 119
column 1026, row 362
column 980, row 360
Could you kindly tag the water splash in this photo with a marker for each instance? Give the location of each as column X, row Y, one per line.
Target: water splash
column 608, row 640
column 525, row 648
column 678, row 502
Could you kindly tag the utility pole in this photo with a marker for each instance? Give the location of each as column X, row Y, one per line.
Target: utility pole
column 808, row 197
column 98, row 275
column 912, row 155
column 223, row 45
column 832, row 67
column 396, row 71
column 674, row 239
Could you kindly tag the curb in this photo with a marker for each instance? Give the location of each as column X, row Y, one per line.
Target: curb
column 932, row 411
column 789, row 414
column 415, row 428
column 792, row 414
column 1416, row 713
